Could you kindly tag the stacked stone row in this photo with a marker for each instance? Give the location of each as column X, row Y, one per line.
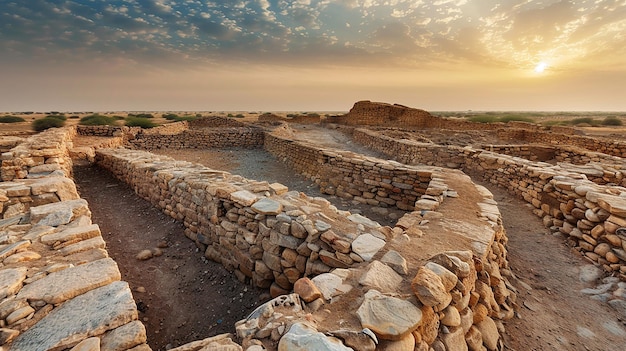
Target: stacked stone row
column 369, row 180
column 39, row 155
column 547, row 187
column 255, row 229
column 59, row 290
column 200, row 139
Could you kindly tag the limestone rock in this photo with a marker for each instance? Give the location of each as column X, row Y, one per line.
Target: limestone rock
column 92, row 313
column 367, row 245
column 222, row 342
column 64, row 187
column 267, row 206
column 144, row 255
column 453, row 263
column 451, row 317
column 303, row 337
column 243, row 197
column 407, row 343
column 19, row 314
column 389, row 317
column 91, row 344
column 357, row 340
column 394, row 260
column 7, row 335
column 448, row 278
column 330, row 285
column 68, row 283
column 77, row 233
column 381, row 277
column 429, row 288
column 489, row 331
column 58, row 213
column 454, row 340
column 358, row 219
column 307, row 290
column 125, row 337
column 474, row 339
column 11, row 280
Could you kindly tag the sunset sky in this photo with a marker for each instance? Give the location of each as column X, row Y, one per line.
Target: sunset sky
column 312, row 55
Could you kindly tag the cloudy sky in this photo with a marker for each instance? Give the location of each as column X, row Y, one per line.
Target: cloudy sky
column 319, row 55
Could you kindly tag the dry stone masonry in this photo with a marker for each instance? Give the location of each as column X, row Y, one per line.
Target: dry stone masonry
column 436, row 280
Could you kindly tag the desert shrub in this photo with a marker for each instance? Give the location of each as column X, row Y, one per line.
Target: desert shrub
column 516, row 118
column 583, row 120
column 239, row 115
column 141, row 115
column 139, row 122
column 47, row 122
column 483, row 119
column 611, row 121
column 313, row 114
column 57, row 116
column 74, row 117
column 170, row 116
column 230, row 115
column 11, row 119
column 97, row 120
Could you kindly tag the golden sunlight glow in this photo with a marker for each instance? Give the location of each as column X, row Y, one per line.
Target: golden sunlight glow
column 541, row 67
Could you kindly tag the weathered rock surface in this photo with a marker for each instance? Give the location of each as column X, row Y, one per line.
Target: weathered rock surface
column 303, row 337
column 68, row 283
column 389, row 317
column 90, row 314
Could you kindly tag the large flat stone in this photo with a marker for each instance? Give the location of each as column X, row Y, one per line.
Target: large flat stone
column 58, row 213
column 243, row 197
column 90, row 314
column 62, row 186
column 11, row 281
column 68, row 283
column 367, row 245
column 267, row 207
column 80, row 233
column 389, row 317
column 124, row 337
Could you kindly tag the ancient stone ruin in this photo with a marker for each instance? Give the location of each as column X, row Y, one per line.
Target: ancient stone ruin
column 424, row 283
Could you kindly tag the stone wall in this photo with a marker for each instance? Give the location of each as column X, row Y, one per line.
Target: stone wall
column 215, row 122
column 274, row 238
column 589, row 213
column 258, row 230
column 203, row 138
column 59, row 290
column 104, row 131
column 369, row 180
column 39, row 156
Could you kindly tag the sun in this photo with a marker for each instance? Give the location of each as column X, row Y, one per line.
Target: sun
column 541, row 67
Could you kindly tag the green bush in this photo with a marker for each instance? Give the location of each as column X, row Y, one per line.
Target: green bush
column 170, row 116
column 57, row 116
column 239, row 115
column 11, row 119
column 97, row 120
column 141, row 115
column 47, row 122
column 483, row 119
column 516, row 118
column 139, row 122
column 74, row 117
column 583, row 120
column 612, row 121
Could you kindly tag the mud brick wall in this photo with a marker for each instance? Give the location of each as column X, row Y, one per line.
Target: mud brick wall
column 368, row 180
column 558, row 192
column 39, row 155
column 200, row 139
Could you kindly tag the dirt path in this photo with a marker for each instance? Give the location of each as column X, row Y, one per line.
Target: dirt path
column 186, row 297
column 553, row 314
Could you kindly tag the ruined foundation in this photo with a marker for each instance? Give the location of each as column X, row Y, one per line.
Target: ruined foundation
column 420, row 284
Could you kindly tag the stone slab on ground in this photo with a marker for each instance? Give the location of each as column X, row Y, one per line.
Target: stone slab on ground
column 68, row 283
column 90, row 314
